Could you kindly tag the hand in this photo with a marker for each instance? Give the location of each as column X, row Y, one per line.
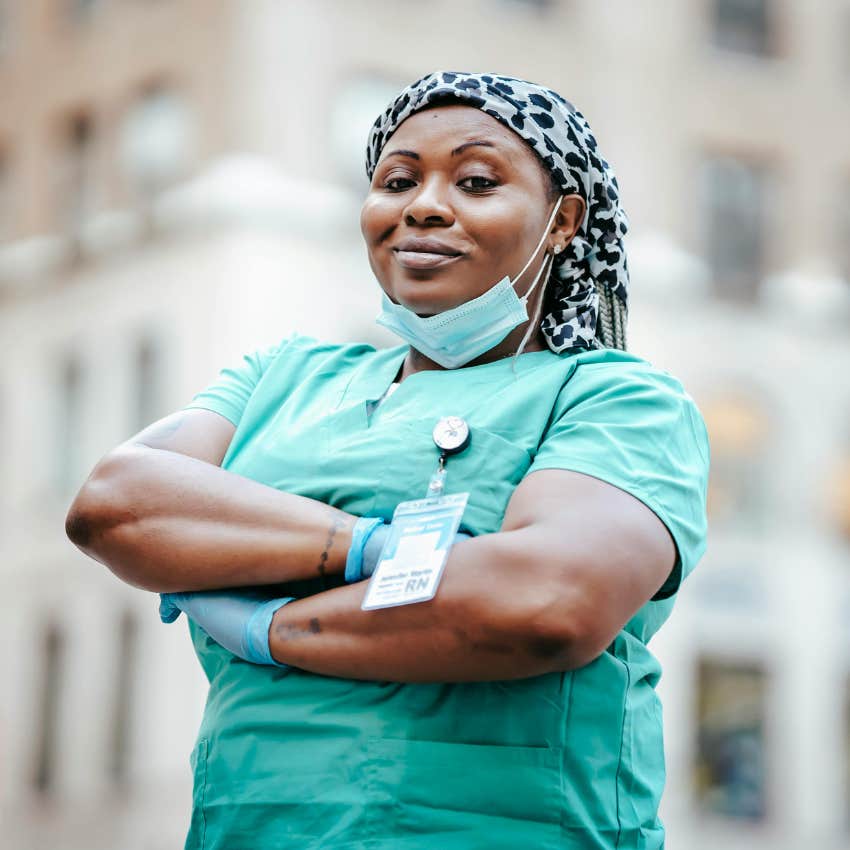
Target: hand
column 237, row 620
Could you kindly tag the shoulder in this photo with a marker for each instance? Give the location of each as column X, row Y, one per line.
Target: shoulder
column 627, row 396
column 622, row 377
column 613, row 369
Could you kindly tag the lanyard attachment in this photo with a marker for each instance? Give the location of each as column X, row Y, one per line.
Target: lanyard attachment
column 438, row 480
column 451, row 435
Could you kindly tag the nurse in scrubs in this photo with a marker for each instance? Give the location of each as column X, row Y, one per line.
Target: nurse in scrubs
column 516, row 705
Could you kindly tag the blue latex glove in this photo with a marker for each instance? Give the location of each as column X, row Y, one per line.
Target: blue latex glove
column 365, row 531
column 367, row 543
column 238, row 621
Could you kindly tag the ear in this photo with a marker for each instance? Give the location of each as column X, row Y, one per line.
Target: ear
column 567, row 221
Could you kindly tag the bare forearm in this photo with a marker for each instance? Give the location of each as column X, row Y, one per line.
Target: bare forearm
column 487, row 622
column 167, row 522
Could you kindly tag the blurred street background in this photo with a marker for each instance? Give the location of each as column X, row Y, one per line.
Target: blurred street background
column 180, row 183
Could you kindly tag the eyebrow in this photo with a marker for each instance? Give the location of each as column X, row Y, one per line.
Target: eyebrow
column 457, row 151
column 479, row 142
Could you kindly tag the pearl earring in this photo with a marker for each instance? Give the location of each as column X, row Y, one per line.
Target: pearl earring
column 556, row 249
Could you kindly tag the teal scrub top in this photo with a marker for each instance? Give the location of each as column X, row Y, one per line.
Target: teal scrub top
column 289, row 758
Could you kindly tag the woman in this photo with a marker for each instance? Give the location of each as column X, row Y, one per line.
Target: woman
column 517, row 707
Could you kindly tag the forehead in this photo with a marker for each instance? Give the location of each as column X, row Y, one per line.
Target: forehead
column 439, row 129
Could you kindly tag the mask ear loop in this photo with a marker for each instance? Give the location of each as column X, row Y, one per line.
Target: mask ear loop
column 532, row 322
column 545, row 265
column 539, row 245
column 543, row 273
column 540, row 276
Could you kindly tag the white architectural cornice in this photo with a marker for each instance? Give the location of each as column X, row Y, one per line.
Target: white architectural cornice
column 235, row 192
column 244, row 188
column 660, row 268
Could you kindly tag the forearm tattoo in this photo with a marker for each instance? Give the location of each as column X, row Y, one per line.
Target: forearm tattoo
column 336, row 525
column 292, row 631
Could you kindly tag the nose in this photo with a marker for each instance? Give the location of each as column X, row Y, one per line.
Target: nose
column 429, row 204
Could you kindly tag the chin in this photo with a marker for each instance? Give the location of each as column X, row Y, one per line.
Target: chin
column 424, row 298
column 425, row 307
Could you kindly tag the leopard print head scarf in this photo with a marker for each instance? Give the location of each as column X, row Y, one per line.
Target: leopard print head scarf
column 562, row 138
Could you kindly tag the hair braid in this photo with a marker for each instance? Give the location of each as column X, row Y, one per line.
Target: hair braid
column 611, row 321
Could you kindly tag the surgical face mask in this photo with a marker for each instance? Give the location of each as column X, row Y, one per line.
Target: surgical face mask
column 461, row 334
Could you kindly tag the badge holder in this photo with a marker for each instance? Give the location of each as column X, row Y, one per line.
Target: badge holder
column 411, row 563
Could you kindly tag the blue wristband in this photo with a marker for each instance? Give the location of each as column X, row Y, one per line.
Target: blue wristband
column 372, row 550
column 256, row 634
column 362, row 531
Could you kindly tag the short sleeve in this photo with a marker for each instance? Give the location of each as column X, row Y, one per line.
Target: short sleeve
column 635, row 427
column 228, row 394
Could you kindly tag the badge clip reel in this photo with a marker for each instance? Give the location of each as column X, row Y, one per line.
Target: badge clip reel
column 451, row 436
column 411, row 563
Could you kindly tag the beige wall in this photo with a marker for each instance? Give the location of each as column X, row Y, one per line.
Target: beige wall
column 53, row 68
column 263, row 76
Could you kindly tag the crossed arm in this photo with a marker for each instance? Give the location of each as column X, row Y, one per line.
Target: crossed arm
column 574, row 560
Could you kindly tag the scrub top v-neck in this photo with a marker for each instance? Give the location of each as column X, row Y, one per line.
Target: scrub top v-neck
column 565, row 760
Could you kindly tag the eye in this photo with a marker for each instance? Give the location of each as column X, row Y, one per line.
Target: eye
column 392, row 184
column 479, row 183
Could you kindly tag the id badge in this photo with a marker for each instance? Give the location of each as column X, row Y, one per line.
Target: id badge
column 411, row 563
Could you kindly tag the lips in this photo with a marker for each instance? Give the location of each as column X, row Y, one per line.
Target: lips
column 424, row 253
column 426, row 245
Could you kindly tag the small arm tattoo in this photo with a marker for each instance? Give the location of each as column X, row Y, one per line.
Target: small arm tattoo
column 291, row 631
column 336, row 525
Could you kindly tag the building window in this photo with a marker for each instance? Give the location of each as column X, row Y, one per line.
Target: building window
column 837, row 490
column 122, row 706
column 734, row 204
column 360, row 100
column 743, row 26
column 730, row 770
column 82, row 11
column 5, row 28
column 69, row 423
column 846, row 743
column 531, row 5
column 157, row 139
column 846, row 753
column 840, row 497
column 76, row 179
column 738, row 433
column 844, row 224
column 149, row 374
column 6, row 221
column 48, row 709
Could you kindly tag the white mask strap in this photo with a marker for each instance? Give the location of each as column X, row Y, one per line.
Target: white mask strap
column 542, row 239
column 544, row 267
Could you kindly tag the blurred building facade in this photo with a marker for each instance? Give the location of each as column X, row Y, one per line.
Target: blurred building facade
column 180, row 182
